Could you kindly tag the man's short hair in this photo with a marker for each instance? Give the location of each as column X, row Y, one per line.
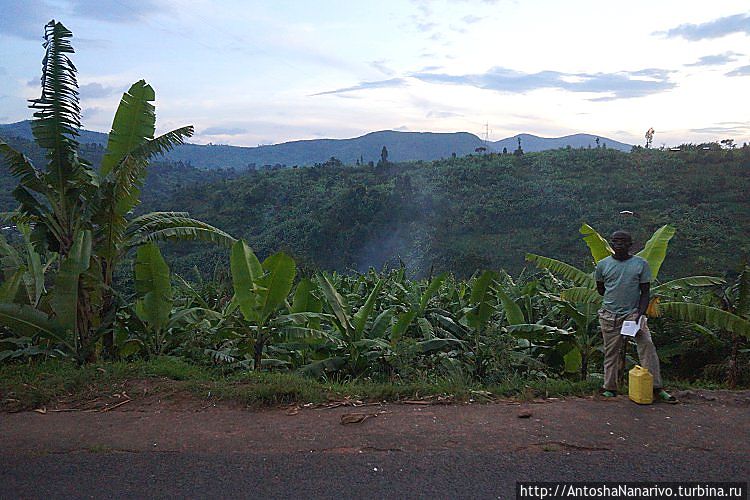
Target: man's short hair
column 622, row 234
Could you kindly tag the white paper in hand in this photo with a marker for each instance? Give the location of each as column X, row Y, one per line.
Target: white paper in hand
column 629, row 328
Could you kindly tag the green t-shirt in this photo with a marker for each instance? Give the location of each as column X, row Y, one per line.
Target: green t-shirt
column 622, row 279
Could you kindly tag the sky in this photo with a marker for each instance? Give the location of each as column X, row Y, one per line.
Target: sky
column 263, row 72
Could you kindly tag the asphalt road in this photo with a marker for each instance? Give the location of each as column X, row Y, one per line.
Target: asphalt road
column 377, row 474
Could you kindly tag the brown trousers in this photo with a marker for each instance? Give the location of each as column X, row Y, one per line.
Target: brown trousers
column 614, row 342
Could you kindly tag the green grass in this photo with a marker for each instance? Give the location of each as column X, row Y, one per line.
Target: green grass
column 34, row 385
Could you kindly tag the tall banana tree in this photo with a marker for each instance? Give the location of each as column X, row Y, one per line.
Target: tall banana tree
column 69, row 201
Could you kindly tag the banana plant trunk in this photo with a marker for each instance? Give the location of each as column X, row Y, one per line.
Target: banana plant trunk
column 258, row 354
column 732, row 366
column 584, row 365
column 108, row 339
column 83, row 325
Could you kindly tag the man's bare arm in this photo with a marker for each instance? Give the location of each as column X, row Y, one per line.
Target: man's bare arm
column 600, row 287
column 643, row 303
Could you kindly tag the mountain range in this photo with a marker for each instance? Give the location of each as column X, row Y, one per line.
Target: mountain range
column 401, row 146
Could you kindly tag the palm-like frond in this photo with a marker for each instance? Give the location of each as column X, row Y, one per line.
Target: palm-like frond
column 58, row 115
column 163, row 143
column 22, row 168
column 561, row 268
column 164, row 226
column 711, row 317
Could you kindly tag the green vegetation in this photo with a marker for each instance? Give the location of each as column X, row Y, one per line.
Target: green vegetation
column 481, row 212
column 290, row 332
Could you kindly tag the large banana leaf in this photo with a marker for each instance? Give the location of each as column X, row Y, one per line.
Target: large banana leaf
column 710, row 317
column 573, row 360
column 133, row 125
column 23, row 319
column 562, row 269
column 513, row 312
column 338, row 305
column 64, row 301
column 436, row 345
column 34, row 278
column 153, row 287
column 431, row 290
column 599, row 247
column 537, row 332
column 274, row 286
column 481, row 295
column 364, row 312
column 123, row 169
column 246, row 269
column 9, row 287
column 582, row 295
column 304, row 299
column 655, row 250
column 402, row 324
column 688, row 282
column 381, row 323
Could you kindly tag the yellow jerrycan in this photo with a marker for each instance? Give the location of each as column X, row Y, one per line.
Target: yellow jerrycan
column 641, row 385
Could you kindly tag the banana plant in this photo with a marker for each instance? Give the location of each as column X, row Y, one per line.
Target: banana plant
column 654, row 252
column 23, row 269
column 352, row 349
column 58, row 319
column 69, row 197
column 260, row 292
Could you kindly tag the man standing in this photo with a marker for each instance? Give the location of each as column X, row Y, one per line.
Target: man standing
column 624, row 281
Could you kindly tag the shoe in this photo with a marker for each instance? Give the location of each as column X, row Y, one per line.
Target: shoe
column 609, row 394
column 664, row 396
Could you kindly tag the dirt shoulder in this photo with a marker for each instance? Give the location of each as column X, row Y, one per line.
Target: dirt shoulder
column 705, row 420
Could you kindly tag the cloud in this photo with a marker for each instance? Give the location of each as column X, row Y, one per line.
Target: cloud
column 23, row 19
column 380, row 66
column 223, row 131
column 442, row 114
column 738, row 23
column 391, row 82
column 471, row 19
column 740, row 128
column 117, row 11
column 90, row 112
column 716, row 60
column 425, row 26
column 741, row 71
column 620, row 85
column 96, row 90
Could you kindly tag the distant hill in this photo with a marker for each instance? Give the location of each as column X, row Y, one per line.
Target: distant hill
column 531, row 143
column 23, row 130
column 402, row 146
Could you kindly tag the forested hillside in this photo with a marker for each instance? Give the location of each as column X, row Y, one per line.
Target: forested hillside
column 462, row 214
column 484, row 212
